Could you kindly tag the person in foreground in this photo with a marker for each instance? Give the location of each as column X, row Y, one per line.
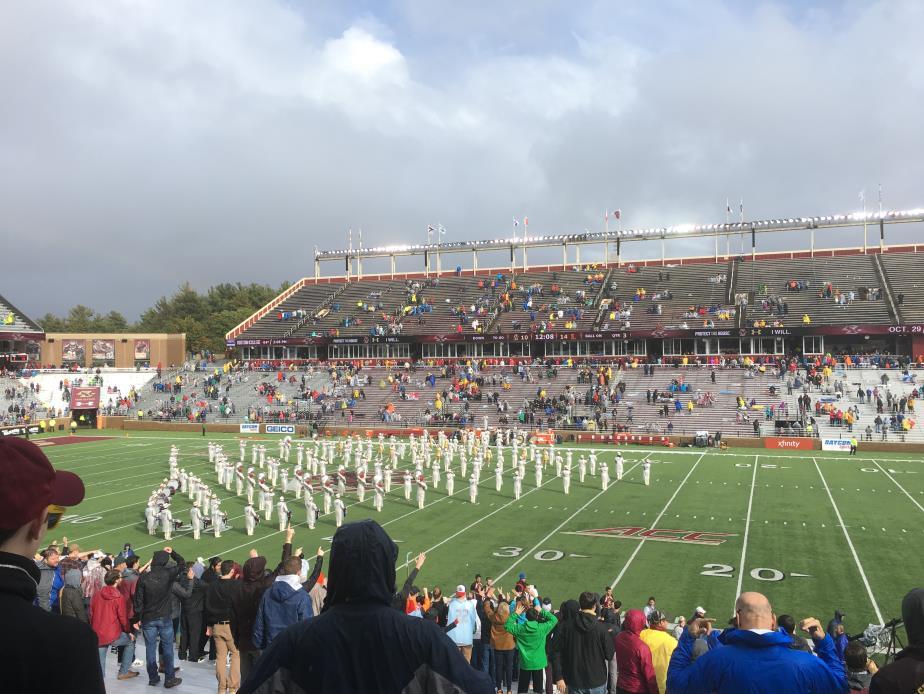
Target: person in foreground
column 755, row 656
column 906, row 672
column 32, row 500
column 359, row 644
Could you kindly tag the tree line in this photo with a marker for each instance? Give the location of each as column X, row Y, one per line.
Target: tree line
column 205, row 317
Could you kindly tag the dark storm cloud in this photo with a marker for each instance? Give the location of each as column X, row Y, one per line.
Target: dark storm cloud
column 147, row 143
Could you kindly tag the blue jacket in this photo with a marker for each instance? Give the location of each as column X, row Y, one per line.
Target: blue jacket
column 281, row 606
column 750, row 663
column 464, row 611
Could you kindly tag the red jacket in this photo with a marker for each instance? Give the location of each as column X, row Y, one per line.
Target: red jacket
column 108, row 615
column 633, row 657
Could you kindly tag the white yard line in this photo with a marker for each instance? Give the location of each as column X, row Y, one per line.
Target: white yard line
column 654, row 524
column 905, row 491
column 472, row 525
column 747, row 530
column 565, row 522
column 869, row 590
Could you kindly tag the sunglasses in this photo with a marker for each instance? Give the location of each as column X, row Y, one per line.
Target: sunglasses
column 55, row 513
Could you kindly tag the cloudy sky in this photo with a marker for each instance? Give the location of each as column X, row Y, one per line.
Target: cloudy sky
column 148, row 142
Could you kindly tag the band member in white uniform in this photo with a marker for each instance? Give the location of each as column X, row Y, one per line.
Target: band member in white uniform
column 604, row 474
column 195, row 520
column 407, row 485
column 566, row 479
column 216, row 520
column 450, row 482
column 283, row 510
column 538, row 473
column 150, row 517
column 251, row 518
column 582, row 468
column 379, row 489
column 619, row 465
column 473, row 489
column 646, row 473
column 421, row 491
column 311, row 511
column 339, row 511
column 517, row 485
column 166, row 521
column 327, row 486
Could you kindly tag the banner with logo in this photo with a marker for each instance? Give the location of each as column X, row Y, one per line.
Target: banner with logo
column 280, row 429
column 836, row 445
column 249, row 428
column 789, row 443
column 74, row 350
column 84, row 398
column 103, row 350
column 142, row 350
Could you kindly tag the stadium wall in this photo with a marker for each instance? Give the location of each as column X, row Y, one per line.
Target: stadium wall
column 119, row 350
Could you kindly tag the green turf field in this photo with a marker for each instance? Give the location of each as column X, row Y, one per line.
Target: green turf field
column 814, row 533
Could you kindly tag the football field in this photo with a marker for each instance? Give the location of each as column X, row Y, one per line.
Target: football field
column 813, row 531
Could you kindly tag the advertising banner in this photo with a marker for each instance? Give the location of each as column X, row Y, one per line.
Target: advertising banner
column 103, row 350
column 250, row 428
column 835, row 445
column 84, row 398
column 142, row 350
column 74, row 350
column 790, row 443
column 280, row 428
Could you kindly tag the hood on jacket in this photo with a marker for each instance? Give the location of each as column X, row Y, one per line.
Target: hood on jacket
column 254, row 569
column 634, row 622
column 745, row 637
column 584, row 622
column 362, row 565
column 913, row 614
column 72, row 578
column 569, row 610
column 110, row 593
column 282, row 591
column 160, row 558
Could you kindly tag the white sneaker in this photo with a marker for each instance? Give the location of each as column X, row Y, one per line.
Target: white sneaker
column 137, row 663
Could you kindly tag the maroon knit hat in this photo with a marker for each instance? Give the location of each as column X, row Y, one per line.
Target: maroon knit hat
column 30, row 483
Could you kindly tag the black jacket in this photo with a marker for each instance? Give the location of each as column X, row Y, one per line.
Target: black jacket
column 585, row 647
column 218, row 599
column 33, row 634
column 359, row 644
column 154, row 594
column 906, row 673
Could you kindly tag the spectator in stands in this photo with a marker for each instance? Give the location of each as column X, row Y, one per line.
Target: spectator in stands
column 661, row 644
column 282, row 605
column 787, row 625
column 584, row 647
column 218, row 599
column 32, row 501
column 152, row 604
column 531, row 636
column 48, row 567
column 860, row 669
column 109, row 619
column 755, row 656
column 633, row 657
column 359, row 643
column 906, row 672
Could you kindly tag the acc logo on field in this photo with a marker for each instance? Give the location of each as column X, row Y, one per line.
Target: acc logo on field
column 658, row 535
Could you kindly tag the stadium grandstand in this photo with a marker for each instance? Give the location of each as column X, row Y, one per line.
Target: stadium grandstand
column 20, row 337
column 549, row 342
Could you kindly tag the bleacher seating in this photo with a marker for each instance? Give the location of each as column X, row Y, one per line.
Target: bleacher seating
column 680, row 290
column 769, row 278
column 12, row 320
column 906, row 277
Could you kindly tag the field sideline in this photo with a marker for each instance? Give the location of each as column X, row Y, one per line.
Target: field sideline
column 813, row 532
